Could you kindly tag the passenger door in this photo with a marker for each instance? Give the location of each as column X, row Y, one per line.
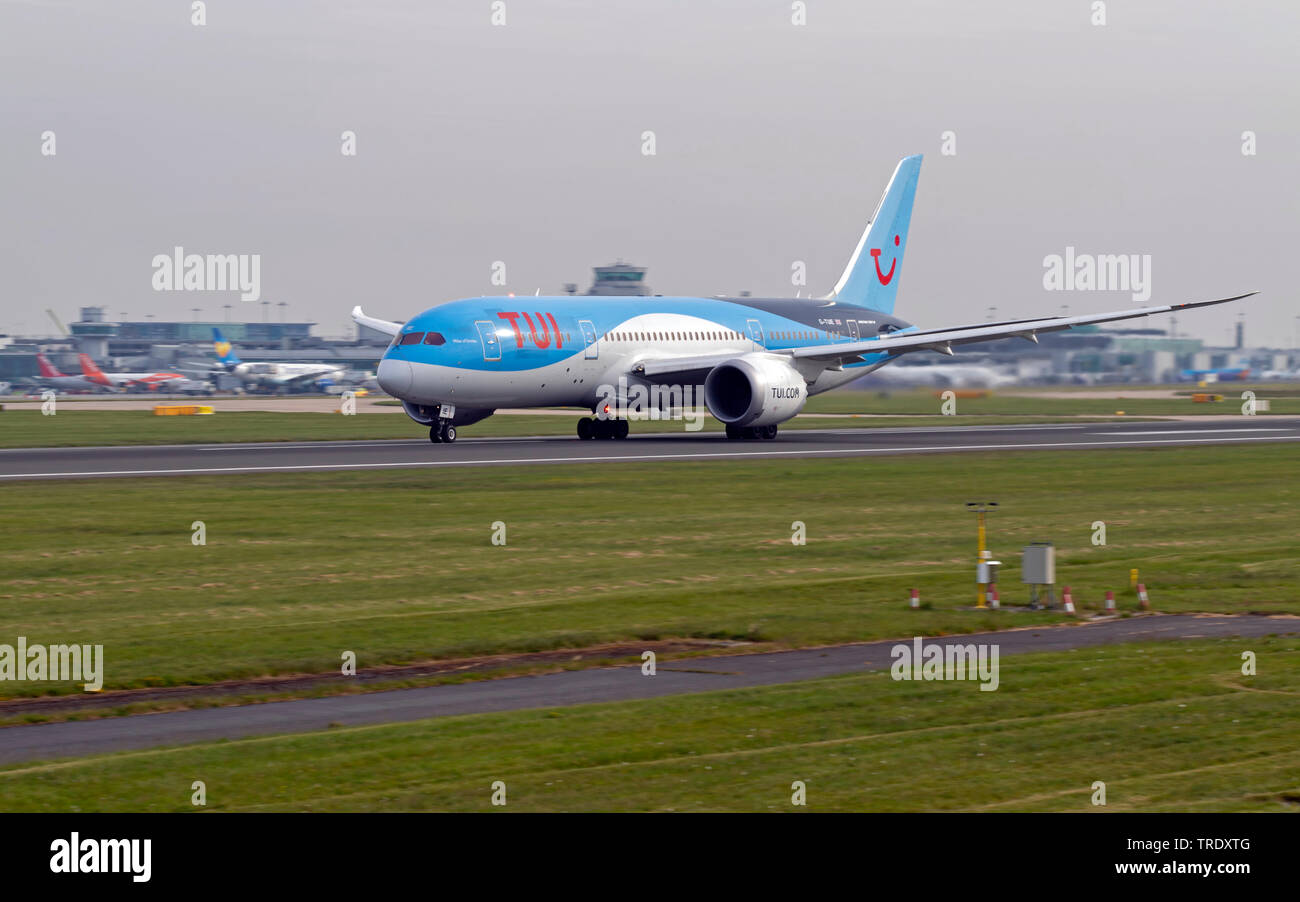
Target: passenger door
column 591, row 350
column 487, row 333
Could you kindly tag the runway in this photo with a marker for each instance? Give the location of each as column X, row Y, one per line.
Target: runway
column 575, row 687
column 274, row 457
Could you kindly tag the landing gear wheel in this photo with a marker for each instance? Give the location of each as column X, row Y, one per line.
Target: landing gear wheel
column 435, row 433
column 621, row 429
column 449, row 433
column 769, row 432
column 735, row 432
column 585, row 431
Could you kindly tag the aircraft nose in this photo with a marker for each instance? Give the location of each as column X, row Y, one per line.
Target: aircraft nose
column 394, row 377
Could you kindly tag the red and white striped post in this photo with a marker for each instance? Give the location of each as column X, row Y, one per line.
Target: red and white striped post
column 994, row 601
column 1110, row 601
column 1068, row 600
column 916, row 598
column 1143, row 601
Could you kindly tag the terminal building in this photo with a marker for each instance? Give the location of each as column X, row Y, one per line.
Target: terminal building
column 1085, row 354
column 617, row 279
column 170, row 344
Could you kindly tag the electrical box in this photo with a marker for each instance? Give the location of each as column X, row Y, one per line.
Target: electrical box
column 1038, row 566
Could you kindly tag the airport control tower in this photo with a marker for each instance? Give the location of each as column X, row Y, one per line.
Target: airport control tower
column 621, row 278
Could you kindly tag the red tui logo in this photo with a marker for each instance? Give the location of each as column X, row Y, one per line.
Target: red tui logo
column 884, row 277
column 541, row 341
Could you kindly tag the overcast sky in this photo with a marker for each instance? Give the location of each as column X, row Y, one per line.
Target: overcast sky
column 523, row 144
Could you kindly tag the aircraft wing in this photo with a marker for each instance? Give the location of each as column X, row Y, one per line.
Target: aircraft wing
column 682, row 366
column 381, row 325
column 307, row 378
column 940, row 340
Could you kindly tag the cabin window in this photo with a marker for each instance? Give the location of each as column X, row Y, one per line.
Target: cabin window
column 412, row 338
column 434, row 338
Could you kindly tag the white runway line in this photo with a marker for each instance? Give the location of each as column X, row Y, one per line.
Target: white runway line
column 197, row 471
column 1190, row 431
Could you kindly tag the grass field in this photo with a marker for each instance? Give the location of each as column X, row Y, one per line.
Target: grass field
column 1166, row 726
column 399, row 566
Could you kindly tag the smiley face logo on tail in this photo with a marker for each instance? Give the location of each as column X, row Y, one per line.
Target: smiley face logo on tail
column 884, row 277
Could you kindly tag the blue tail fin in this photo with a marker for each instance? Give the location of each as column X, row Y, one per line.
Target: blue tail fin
column 871, row 278
column 225, row 353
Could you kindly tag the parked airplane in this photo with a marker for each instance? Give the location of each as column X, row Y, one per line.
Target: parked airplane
column 272, row 375
column 142, row 381
column 759, row 359
column 1218, row 374
column 940, row 375
column 1280, row 375
column 51, row 377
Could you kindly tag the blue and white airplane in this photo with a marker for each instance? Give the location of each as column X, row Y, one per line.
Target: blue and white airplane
column 272, row 376
column 759, row 359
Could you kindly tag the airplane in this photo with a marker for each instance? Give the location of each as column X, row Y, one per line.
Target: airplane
column 940, row 375
column 271, row 375
column 51, row 377
column 760, row 359
column 1280, row 375
column 1218, row 374
column 114, row 381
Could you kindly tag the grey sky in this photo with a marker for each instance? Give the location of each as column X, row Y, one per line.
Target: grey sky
column 522, row 144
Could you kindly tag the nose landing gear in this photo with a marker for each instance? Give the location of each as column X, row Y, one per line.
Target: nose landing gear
column 594, row 427
column 442, row 431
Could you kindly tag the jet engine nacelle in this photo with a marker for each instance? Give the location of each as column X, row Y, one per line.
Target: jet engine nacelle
column 755, row 390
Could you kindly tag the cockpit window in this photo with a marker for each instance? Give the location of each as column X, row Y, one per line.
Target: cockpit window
column 412, row 338
column 434, row 338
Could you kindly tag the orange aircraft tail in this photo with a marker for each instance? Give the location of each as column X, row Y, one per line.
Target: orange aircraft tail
column 91, row 371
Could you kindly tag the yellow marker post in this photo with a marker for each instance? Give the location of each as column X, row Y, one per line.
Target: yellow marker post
column 981, row 508
column 1133, row 579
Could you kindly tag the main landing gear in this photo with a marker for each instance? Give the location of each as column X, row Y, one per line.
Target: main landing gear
column 442, row 431
column 751, row 432
column 594, row 427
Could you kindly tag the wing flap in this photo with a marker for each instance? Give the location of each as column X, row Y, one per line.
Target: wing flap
column 671, row 365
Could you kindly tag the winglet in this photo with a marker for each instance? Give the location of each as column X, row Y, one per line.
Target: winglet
column 370, row 322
